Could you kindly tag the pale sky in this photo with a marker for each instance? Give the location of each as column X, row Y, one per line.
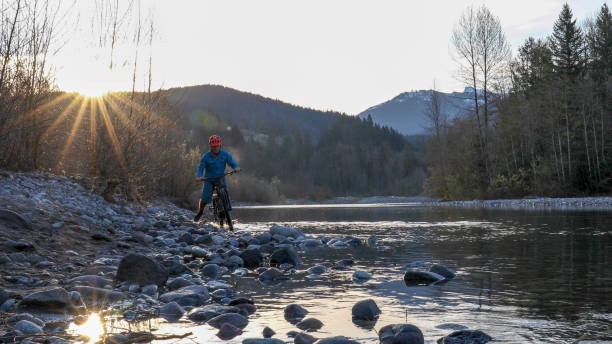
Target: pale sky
column 343, row 55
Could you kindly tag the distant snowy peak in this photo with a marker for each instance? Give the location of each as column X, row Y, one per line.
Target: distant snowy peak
column 406, row 112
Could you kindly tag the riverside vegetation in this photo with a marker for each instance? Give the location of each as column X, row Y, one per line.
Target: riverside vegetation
column 540, row 126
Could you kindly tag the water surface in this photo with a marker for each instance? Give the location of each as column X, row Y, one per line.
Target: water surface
column 523, row 276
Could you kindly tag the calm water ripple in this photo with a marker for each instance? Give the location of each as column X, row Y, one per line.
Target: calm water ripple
column 541, row 277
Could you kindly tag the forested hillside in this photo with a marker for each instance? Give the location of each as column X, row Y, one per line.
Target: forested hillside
column 548, row 133
column 290, row 151
column 250, row 111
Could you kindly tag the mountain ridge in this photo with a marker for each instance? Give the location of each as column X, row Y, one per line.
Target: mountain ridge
column 406, row 112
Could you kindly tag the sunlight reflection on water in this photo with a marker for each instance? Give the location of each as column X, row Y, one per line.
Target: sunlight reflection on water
column 521, row 277
column 92, row 328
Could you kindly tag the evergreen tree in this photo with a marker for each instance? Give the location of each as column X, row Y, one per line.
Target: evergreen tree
column 567, row 43
column 601, row 43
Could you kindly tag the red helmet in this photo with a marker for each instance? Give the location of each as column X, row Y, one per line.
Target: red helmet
column 214, row 140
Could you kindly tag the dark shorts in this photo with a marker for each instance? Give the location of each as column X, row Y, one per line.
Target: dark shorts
column 207, row 191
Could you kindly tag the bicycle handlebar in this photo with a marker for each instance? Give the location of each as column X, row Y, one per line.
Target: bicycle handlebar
column 217, row 177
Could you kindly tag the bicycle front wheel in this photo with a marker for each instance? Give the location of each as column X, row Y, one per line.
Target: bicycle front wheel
column 228, row 218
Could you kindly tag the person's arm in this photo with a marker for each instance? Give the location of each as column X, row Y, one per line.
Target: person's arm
column 202, row 166
column 232, row 162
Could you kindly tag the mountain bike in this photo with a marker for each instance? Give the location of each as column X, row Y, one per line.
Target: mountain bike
column 221, row 203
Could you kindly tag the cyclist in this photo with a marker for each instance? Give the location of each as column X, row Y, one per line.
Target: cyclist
column 214, row 163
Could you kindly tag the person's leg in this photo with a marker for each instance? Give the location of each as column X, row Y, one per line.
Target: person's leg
column 201, row 206
column 204, row 199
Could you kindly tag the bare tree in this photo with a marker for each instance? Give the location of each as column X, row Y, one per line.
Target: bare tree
column 465, row 41
column 493, row 54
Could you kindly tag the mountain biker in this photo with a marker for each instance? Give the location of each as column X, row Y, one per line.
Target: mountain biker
column 214, row 163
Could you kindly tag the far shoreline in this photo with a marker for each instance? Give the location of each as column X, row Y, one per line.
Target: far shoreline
column 539, row 203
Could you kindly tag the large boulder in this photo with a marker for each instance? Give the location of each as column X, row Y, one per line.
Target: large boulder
column 400, row 334
column 284, row 255
column 365, row 310
column 138, row 268
column 252, row 258
column 465, row 337
column 51, row 300
column 286, row 231
column 415, row 277
column 193, row 295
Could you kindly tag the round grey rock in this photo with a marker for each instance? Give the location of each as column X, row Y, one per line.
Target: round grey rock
column 365, row 310
column 27, row 327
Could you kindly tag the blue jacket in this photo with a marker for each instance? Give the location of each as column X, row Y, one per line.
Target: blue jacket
column 215, row 166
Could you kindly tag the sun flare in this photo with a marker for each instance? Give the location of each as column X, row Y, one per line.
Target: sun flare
column 93, row 91
column 92, row 328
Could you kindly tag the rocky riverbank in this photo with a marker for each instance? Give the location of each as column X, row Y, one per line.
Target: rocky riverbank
column 67, row 252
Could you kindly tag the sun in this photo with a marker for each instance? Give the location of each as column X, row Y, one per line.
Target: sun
column 93, row 91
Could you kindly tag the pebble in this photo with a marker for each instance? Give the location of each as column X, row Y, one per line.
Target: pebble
column 268, row 332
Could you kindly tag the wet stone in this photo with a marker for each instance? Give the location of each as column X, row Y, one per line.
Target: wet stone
column 442, row 271
column 309, row 324
column 267, row 332
column 228, row 331
column 12, row 320
column 465, row 337
column 400, row 334
column 234, row 319
column 205, row 313
column 304, row 338
column 365, row 310
column 295, row 312
column 262, row 341
column 414, row 277
column 171, row 311
column 337, row 340
column 317, row 270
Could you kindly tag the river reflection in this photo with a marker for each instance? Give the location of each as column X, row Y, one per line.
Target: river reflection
column 522, row 276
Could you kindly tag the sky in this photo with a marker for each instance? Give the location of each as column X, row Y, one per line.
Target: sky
column 343, row 55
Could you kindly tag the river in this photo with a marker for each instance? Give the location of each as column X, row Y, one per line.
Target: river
column 522, row 276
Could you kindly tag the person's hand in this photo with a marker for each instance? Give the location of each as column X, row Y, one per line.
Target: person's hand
column 237, row 170
column 199, row 179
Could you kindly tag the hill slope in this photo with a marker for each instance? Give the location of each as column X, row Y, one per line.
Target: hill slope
column 247, row 110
